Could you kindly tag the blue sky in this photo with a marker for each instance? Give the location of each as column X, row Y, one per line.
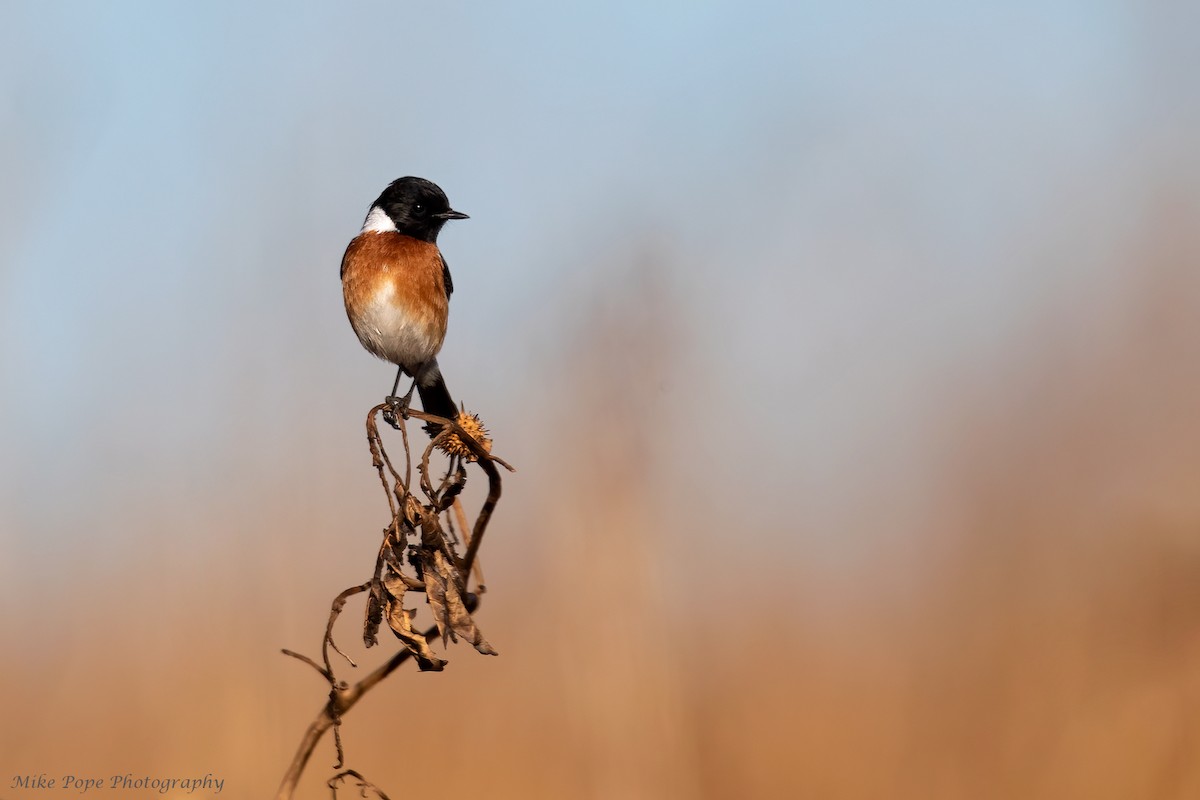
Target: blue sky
column 849, row 197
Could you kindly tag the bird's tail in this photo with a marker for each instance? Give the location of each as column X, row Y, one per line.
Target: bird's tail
column 435, row 397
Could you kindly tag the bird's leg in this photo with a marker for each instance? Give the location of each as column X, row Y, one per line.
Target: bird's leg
column 396, row 384
column 398, row 405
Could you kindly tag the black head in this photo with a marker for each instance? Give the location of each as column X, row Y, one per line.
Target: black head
column 417, row 207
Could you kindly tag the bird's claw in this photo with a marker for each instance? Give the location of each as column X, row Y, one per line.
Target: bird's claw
column 397, row 409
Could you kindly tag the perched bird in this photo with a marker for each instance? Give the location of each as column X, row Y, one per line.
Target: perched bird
column 397, row 287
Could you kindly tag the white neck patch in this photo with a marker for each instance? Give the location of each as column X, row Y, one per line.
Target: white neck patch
column 378, row 222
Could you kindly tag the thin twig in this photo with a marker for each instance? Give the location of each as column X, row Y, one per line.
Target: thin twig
column 339, row 602
column 466, row 534
column 338, row 706
column 379, row 456
column 363, row 784
column 320, row 670
column 408, row 461
column 485, row 513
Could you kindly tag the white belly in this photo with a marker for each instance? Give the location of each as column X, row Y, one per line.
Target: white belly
column 395, row 336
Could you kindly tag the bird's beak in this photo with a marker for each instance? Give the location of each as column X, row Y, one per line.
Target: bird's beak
column 451, row 214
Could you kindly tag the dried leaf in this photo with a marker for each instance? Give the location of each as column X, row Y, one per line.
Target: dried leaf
column 394, row 585
column 374, row 617
column 393, row 555
column 445, row 600
column 412, row 514
column 435, row 592
column 400, row 621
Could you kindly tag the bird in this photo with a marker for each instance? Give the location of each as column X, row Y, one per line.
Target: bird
column 397, row 286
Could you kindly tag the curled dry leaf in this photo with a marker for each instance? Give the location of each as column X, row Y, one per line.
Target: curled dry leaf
column 374, row 617
column 400, row 619
column 442, row 582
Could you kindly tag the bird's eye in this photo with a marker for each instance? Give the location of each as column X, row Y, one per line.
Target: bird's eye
column 419, row 208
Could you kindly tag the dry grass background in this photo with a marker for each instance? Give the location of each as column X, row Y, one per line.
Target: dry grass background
column 1033, row 631
column 993, row 593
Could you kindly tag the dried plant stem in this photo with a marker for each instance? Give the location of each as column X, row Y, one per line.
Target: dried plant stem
column 340, row 703
column 363, row 784
column 440, row 574
column 464, row 526
column 339, row 602
column 485, row 513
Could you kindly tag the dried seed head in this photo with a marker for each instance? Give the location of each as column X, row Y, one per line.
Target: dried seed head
column 454, row 446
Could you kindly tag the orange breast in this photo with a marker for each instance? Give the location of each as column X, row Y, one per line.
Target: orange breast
column 395, row 296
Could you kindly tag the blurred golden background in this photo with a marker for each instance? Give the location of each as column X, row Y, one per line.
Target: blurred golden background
column 849, row 358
